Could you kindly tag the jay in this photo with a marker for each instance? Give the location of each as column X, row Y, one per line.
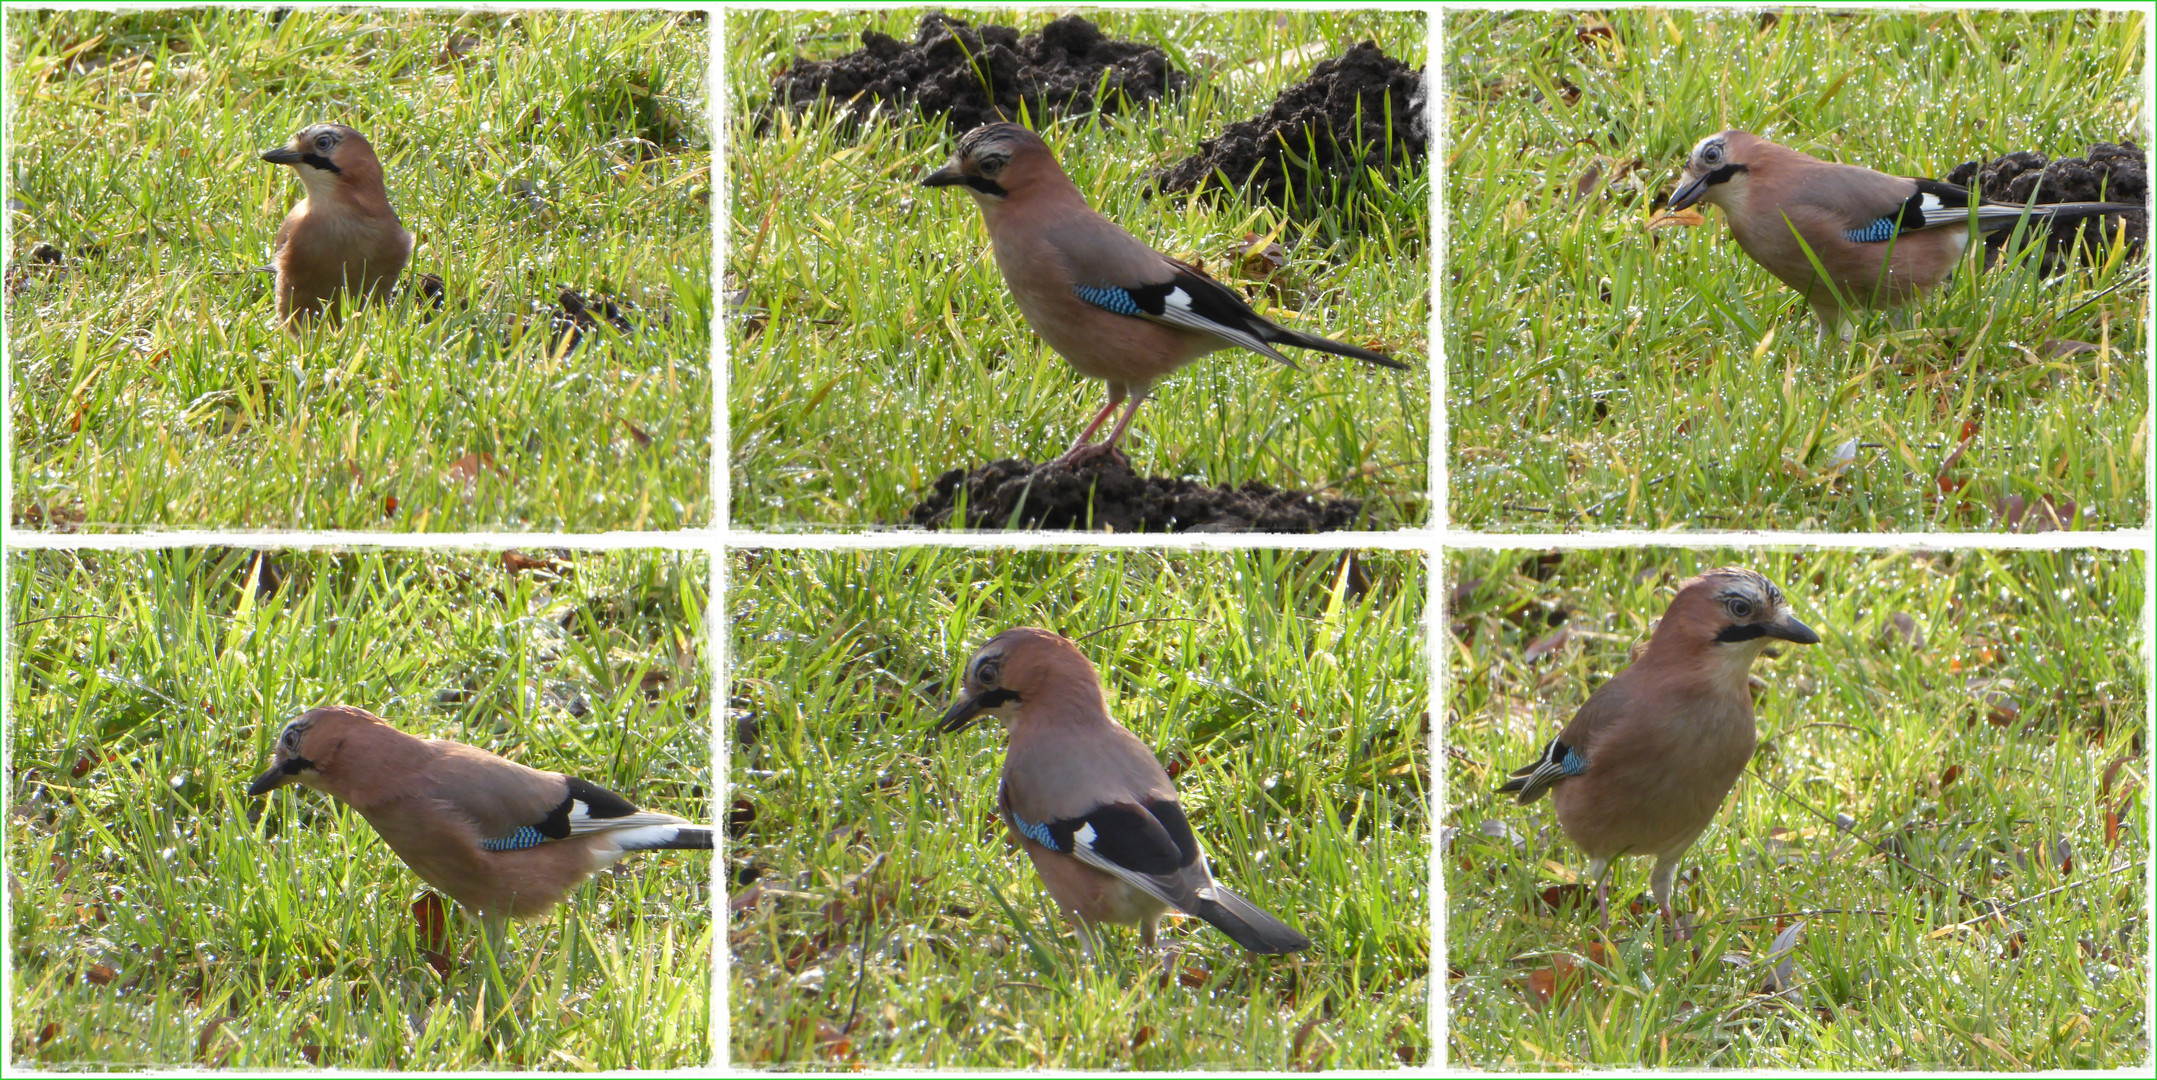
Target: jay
column 344, row 236
column 1114, row 308
column 503, row 840
column 1646, row 762
column 1881, row 239
column 1090, row 804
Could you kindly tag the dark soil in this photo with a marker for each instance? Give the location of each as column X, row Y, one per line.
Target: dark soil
column 1106, row 496
column 1337, row 119
column 977, row 75
column 2110, row 173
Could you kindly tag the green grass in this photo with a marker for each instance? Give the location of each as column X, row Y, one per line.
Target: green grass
column 1999, row 736
column 882, row 920
column 526, row 151
column 1603, row 375
column 875, row 346
column 160, row 918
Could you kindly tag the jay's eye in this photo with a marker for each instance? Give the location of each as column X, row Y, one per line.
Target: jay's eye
column 325, row 143
column 987, row 671
column 991, row 164
column 1711, row 154
column 1739, row 609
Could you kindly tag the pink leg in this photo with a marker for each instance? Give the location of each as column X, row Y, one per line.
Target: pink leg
column 1094, row 425
column 1137, row 398
column 1082, row 452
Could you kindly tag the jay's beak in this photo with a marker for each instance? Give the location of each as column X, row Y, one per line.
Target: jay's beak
column 276, row 776
column 1690, row 190
column 281, row 155
column 947, row 176
column 1789, row 629
column 960, row 715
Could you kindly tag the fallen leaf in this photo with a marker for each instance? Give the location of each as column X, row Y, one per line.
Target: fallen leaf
column 1550, row 643
column 431, row 915
column 745, row 899
column 1683, row 218
column 208, row 1036
column 1551, row 985
column 1939, row 476
column 1588, row 181
column 1782, row 968
column 2049, row 515
column 470, row 467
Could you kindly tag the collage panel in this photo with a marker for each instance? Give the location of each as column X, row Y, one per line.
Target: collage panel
column 1859, row 809
column 1693, row 284
column 1215, row 758
column 492, row 849
column 920, row 338
column 199, row 198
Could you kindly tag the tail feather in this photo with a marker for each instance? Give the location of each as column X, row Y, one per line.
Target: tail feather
column 673, row 837
column 1246, row 924
column 1312, row 341
column 2047, row 214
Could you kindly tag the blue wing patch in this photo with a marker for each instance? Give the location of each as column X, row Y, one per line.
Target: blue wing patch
column 1037, row 833
column 524, row 837
column 1571, row 763
column 1877, row 231
column 1108, row 297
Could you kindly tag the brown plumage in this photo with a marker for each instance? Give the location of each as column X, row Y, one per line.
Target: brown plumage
column 1647, row 761
column 503, row 840
column 1090, row 804
column 344, row 236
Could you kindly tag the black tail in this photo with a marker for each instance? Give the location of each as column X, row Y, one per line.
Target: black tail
column 2046, row 214
column 1311, row 341
column 1251, row 928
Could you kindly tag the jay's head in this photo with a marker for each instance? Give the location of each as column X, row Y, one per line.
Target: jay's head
column 1716, row 169
column 330, row 158
column 1021, row 667
column 1723, row 618
column 995, row 162
column 309, row 745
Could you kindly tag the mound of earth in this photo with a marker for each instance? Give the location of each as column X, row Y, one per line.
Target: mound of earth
column 1107, row 496
column 1361, row 109
column 2110, row 173
column 976, row 75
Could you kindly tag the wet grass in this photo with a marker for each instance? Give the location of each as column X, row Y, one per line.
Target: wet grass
column 152, row 386
column 159, row 918
column 1961, row 827
column 1602, row 375
column 880, row 918
column 874, row 346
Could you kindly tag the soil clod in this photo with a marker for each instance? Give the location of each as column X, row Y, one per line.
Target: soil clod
column 1107, row 496
column 1361, row 109
column 978, row 75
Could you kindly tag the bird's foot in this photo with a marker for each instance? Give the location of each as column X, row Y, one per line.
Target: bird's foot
column 1086, row 454
column 1676, row 929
